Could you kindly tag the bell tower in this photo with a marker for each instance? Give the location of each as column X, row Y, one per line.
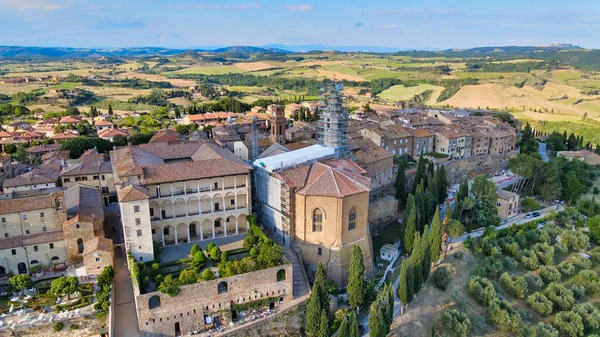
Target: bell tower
column 278, row 123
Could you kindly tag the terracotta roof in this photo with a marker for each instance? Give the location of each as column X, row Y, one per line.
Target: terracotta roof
column 420, row 133
column 70, row 119
column 395, row 131
column 372, row 155
column 102, row 123
column 4, row 159
column 32, row 239
column 297, row 145
column 86, row 204
column 166, row 135
column 93, row 163
column 65, row 135
column 34, row 177
column 43, row 148
column 111, row 132
column 5, row 134
column 502, row 194
column 321, row 179
column 27, row 203
column 273, row 150
column 133, row 193
column 98, row 243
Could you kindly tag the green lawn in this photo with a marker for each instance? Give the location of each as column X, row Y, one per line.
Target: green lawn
column 382, row 235
column 209, row 70
column 402, row 93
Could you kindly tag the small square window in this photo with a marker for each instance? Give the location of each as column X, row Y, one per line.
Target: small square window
column 3, row 219
column 13, row 251
column 36, row 248
column 5, row 235
column 41, row 214
column 97, row 259
column 51, row 246
column 67, row 180
column 84, row 178
column 103, row 177
column 232, row 201
column 138, row 222
column 136, row 208
column 153, row 231
column 139, row 232
column 77, row 226
column 44, row 229
column 27, row 231
column 24, row 216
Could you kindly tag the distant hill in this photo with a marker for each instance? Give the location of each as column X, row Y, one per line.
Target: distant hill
column 251, row 50
column 18, row 52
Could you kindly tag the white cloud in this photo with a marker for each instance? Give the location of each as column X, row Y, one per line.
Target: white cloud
column 25, row 5
column 300, row 8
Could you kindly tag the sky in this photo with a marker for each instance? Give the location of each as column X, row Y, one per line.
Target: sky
column 433, row 24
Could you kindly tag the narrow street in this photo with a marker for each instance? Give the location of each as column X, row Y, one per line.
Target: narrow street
column 125, row 317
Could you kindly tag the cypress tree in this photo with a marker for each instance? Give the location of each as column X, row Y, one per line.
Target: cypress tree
column 420, row 174
column 416, row 263
column 403, row 285
column 320, row 286
column 376, row 321
column 388, row 290
column 356, row 282
column 110, row 110
column 448, row 214
column 409, row 230
column 442, row 183
column 324, row 325
column 400, row 184
column 420, row 204
column 592, row 207
column 426, row 263
column 353, row 325
column 410, row 281
column 344, row 330
column 435, row 237
column 313, row 314
column 434, row 186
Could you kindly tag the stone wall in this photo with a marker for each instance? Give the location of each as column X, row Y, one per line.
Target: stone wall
column 288, row 323
column 382, row 210
column 457, row 170
column 186, row 310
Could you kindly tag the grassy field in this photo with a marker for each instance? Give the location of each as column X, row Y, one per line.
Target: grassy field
column 210, row 70
column 402, row 93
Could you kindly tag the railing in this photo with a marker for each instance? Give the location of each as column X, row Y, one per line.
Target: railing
column 166, row 194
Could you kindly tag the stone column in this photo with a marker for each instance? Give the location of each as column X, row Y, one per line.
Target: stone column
column 189, row 234
column 184, row 188
column 235, row 181
column 162, row 234
column 213, row 229
column 174, row 213
column 225, row 227
column 176, row 242
column 236, row 226
column 222, row 183
column 201, row 233
column 171, row 189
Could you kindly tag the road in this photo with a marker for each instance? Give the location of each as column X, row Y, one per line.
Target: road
column 126, row 323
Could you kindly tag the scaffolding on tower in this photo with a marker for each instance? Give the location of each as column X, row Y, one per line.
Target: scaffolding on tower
column 334, row 120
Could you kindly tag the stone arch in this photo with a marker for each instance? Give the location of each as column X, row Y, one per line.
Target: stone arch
column 219, row 227
column 229, row 200
column 195, row 231
column 55, row 258
column 157, row 234
column 34, row 262
column 22, row 268
column 2, row 271
column 242, row 199
column 166, row 209
column 217, row 202
column 281, row 275
column 242, row 224
column 169, row 233
column 182, row 232
column 193, row 206
column 207, row 229
column 80, row 246
column 230, row 225
column 180, row 208
column 154, row 302
column 318, row 215
column 205, row 204
column 154, row 210
column 222, row 287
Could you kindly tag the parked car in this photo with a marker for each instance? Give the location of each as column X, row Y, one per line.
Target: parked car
column 361, row 330
column 528, row 216
column 535, row 214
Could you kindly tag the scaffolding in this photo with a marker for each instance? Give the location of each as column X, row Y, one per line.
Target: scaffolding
column 334, row 120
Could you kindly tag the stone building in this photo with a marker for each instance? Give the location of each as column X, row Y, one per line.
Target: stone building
column 94, row 170
column 377, row 161
column 32, row 180
column 317, row 204
column 422, row 142
column 508, row 204
column 203, row 305
column 39, row 230
column 98, row 254
column 172, row 193
column 392, row 137
column 454, row 144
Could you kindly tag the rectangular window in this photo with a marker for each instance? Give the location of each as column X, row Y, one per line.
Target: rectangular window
column 41, row 214
column 166, row 231
column 13, row 251
column 232, row 201
column 153, row 231
column 35, row 248
column 95, row 177
column 44, row 229
column 3, row 219
column 136, row 208
column 138, row 222
column 139, row 232
column 103, row 178
column 97, row 259
column 67, row 180
column 24, row 216
column 217, row 223
column 77, row 178
column 151, row 211
column 84, row 178
column 51, row 246
column 104, row 189
column 5, row 235
column 27, row 231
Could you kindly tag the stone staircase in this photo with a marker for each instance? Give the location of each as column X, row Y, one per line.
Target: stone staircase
column 301, row 286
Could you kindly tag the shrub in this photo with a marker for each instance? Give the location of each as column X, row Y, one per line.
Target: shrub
column 590, row 281
column 561, row 297
column 568, row 323
column 515, row 285
column 492, row 267
column 540, row 304
column 528, row 205
column 529, row 259
column 578, row 291
column 482, row 290
column 509, row 246
column 159, row 279
column 509, row 264
column 441, row 278
column 581, row 262
column 210, row 246
column 457, row 321
column 215, row 253
column 595, row 255
column 589, row 314
column 547, row 330
column 534, row 281
column 549, row 274
column 187, row 277
column 544, row 252
column 208, row 275
column 58, row 326
column 560, row 249
column 169, row 286
column 575, row 240
column 566, row 268
column 504, row 316
column 195, row 248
